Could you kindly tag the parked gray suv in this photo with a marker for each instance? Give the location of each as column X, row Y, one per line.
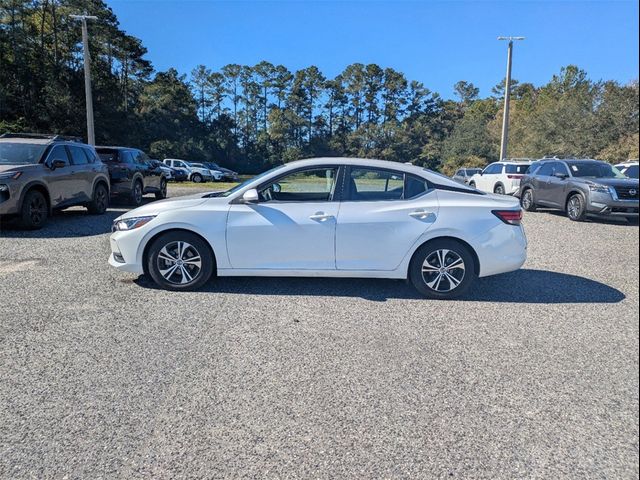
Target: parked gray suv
column 41, row 173
column 580, row 188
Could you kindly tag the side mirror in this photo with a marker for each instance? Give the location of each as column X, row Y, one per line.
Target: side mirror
column 57, row 164
column 250, row 196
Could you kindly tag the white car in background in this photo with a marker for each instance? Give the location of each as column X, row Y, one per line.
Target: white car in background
column 216, row 175
column 329, row 217
column 502, row 178
column 630, row 169
column 195, row 174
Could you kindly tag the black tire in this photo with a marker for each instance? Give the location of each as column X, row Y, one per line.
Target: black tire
column 576, row 208
column 163, row 190
column 499, row 189
column 196, row 178
column 526, row 201
column 34, row 211
column 137, row 191
column 160, row 269
column 100, row 201
column 459, row 257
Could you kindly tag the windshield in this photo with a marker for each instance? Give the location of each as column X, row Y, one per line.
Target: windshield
column 20, row 153
column 240, row 186
column 594, row 170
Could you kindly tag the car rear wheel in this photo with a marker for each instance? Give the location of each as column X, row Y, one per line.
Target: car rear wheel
column 442, row 269
column 576, row 208
column 180, row 261
column 100, row 201
column 163, row 190
column 499, row 189
column 35, row 210
column 136, row 193
column 526, row 201
column 196, row 177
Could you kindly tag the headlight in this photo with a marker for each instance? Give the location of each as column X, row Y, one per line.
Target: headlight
column 132, row 223
column 11, row 175
column 600, row 188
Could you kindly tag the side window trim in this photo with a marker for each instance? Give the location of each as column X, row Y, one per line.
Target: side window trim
column 336, row 194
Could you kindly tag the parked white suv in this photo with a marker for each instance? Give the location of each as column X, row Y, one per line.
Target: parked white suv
column 630, row 169
column 195, row 174
column 502, row 178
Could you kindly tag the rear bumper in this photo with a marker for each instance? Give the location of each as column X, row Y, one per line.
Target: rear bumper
column 502, row 249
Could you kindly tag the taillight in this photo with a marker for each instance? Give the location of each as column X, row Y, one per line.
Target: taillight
column 510, row 217
column 514, row 177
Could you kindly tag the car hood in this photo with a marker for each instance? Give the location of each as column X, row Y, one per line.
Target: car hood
column 8, row 168
column 160, row 206
column 613, row 182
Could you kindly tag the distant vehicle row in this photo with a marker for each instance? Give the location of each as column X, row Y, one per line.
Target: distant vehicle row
column 580, row 187
column 42, row 173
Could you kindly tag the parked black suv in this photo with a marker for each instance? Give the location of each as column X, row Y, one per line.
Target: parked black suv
column 133, row 174
column 40, row 173
column 580, row 188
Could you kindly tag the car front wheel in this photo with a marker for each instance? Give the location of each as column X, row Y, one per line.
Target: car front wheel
column 442, row 269
column 35, row 210
column 576, row 208
column 180, row 261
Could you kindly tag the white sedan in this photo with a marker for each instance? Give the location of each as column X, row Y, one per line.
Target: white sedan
column 329, row 217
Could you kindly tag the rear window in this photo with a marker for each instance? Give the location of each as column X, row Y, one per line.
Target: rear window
column 517, row 169
column 108, row 155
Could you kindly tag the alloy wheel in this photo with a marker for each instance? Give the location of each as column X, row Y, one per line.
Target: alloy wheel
column 137, row 193
column 443, row 270
column 574, row 208
column 101, row 199
column 179, row 263
column 527, row 199
column 37, row 208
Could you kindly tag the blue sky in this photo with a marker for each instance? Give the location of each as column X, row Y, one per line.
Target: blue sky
column 437, row 43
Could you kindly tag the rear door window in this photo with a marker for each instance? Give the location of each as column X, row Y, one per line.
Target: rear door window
column 366, row 184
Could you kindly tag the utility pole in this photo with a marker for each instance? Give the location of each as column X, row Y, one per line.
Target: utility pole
column 507, row 98
column 91, row 136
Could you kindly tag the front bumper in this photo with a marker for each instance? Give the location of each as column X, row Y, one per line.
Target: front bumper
column 10, row 198
column 603, row 204
column 124, row 252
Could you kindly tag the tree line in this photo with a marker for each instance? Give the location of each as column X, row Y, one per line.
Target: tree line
column 250, row 117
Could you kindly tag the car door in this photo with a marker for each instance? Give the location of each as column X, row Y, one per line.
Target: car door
column 83, row 174
column 487, row 180
column 542, row 190
column 555, row 191
column 383, row 214
column 293, row 225
column 60, row 181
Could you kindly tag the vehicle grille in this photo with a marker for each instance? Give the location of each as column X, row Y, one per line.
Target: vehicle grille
column 627, row 193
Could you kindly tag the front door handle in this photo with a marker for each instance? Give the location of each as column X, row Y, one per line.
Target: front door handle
column 420, row 214
column 320, row 217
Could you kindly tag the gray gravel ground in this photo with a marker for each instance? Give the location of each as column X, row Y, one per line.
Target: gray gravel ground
column 104, row 376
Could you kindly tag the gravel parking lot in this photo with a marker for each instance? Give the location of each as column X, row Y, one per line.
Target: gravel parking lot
column 102, row 375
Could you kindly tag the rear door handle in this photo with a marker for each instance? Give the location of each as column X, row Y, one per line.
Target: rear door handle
column 320, row 217
column 420, row 214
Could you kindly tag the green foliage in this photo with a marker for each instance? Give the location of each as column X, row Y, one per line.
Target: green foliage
column 253, row 117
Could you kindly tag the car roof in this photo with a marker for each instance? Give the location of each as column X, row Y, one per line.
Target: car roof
column 115, row 147
column 435, row 177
